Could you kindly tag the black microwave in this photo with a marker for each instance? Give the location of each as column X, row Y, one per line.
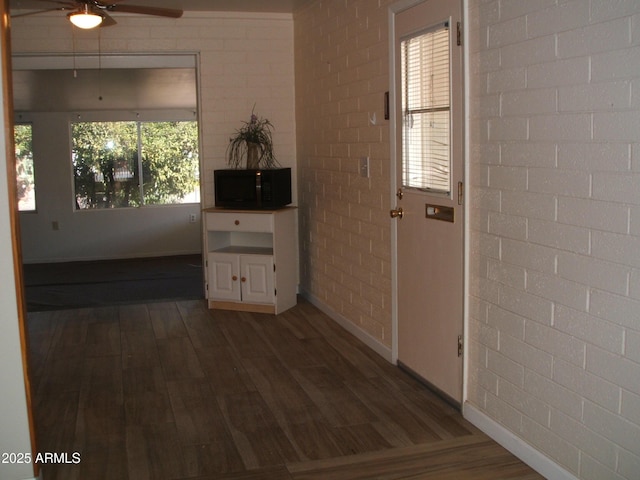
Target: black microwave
column 252, row 189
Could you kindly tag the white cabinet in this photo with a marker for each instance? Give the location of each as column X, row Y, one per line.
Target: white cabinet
column 251, row 259
column 241, row 278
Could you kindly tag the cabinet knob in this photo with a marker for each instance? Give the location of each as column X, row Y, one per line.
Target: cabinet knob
column 243, row 279
column 237, row 222
column 234, row 278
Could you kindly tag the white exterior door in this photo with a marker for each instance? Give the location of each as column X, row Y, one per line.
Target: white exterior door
column 429, row 213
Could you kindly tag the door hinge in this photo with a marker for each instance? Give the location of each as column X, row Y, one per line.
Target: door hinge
column 460, row 346
column 460, row 193
column 274, row 267
column 459, row 34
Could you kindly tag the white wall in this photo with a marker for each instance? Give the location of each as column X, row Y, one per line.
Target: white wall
column 245, row 60
column 555, row 235
column 14, row 423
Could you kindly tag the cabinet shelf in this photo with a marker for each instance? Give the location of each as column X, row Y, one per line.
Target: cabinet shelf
column 244, row 250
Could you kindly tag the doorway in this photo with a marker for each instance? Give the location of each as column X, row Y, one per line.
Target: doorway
column 103, row 156
column 428, row 183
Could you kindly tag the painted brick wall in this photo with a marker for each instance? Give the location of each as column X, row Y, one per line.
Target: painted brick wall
column 555, row 227
column 245, row 59
column 342, row 70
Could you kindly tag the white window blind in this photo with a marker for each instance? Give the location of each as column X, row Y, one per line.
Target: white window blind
column 426, row 154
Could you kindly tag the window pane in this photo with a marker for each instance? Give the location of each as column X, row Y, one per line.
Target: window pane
column 170, row 162
column 105, row 164
column 107, row 171
column 426, row 152
column 24, row 167
column 426, row 159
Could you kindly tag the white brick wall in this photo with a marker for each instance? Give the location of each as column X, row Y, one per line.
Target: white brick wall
column 341, row 77
column 555, row 235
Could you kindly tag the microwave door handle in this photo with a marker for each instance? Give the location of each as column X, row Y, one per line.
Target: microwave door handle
column 259, row 188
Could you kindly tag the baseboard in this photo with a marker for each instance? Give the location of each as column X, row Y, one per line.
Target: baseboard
column 107, row 258
column 521, row 449
column 370, row 341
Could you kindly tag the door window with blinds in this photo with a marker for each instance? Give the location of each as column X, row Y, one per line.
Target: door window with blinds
column 426, row 153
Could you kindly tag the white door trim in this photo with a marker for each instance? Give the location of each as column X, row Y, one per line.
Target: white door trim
column 466, row 204
column 394, row 10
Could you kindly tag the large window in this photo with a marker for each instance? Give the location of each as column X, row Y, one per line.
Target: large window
column 426, row 156
column 131, row 164
column 25, row 175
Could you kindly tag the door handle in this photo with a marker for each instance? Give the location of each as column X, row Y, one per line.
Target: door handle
column 397, row 212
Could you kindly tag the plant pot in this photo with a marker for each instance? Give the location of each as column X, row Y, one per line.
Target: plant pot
column 253, row 156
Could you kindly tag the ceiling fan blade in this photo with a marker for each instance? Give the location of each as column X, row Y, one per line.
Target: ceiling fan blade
column 31, row 4
column 108, row 20
column 158, row 11
column 36, row 12
column 32, row 7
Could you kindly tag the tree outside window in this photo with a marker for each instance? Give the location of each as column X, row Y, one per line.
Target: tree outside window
column 25, row 175
column 108, row 171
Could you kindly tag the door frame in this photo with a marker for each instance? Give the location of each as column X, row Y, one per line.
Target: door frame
column 394, row 10
column 6, row 87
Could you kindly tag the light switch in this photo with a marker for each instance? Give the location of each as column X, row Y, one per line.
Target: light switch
column 364, row 167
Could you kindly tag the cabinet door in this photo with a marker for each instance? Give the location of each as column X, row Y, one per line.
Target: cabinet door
column 224, row 273
column 257, row 278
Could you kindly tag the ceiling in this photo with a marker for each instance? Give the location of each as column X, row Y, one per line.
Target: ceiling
column 263, row 6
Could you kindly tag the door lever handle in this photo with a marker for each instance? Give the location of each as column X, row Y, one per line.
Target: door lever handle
column 397, row 212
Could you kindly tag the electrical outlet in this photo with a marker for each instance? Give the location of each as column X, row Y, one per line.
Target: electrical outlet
column 192, row 218
column 364, row 167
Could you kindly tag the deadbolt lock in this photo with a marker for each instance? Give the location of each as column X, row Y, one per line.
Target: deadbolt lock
column 397, row 212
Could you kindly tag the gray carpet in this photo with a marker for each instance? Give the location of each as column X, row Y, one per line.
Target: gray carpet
column 53, row 286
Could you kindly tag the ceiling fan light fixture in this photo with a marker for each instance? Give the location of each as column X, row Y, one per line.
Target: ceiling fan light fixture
column 85, row 18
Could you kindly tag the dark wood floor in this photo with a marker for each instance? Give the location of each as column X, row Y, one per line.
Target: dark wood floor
column 173, row 391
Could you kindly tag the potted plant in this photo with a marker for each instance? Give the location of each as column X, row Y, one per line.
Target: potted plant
column 254, row 142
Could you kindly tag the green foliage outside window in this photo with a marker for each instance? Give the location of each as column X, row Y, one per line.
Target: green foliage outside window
column 170, row 161
column 25, row 175
column 107, row 170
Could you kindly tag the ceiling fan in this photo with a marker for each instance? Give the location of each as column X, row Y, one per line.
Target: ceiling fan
column 92, row 13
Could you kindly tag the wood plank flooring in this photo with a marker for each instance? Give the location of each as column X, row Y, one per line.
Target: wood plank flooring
column 174, row 391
